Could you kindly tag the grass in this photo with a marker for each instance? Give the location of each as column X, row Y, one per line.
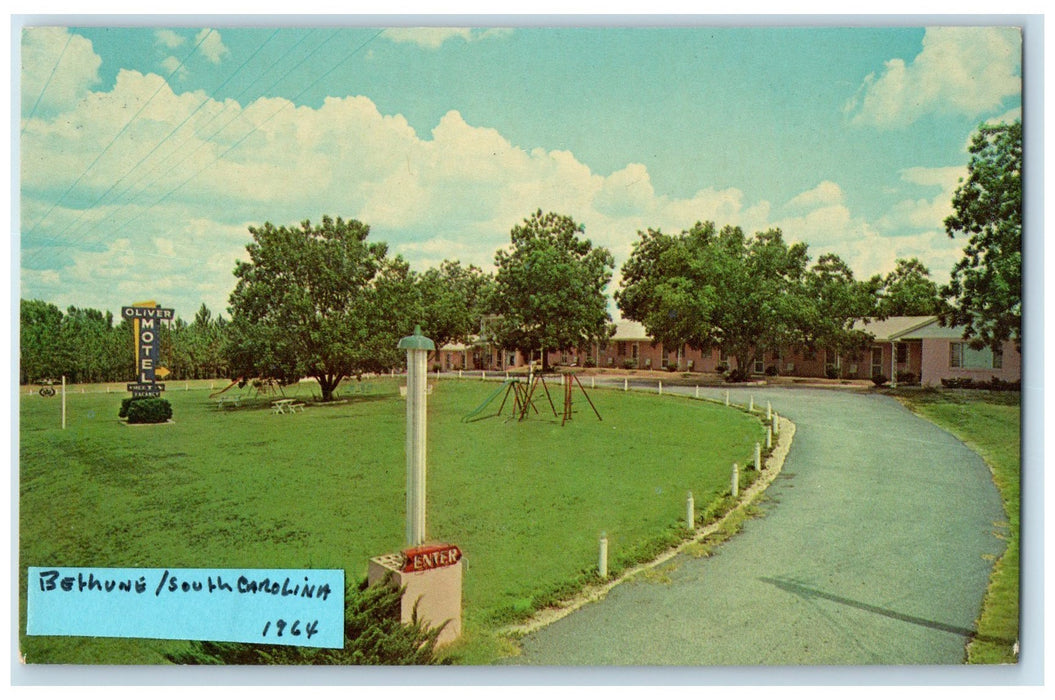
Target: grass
column 990, row 423
column 241, row 487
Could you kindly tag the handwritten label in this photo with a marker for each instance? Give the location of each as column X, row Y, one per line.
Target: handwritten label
column 297, row 607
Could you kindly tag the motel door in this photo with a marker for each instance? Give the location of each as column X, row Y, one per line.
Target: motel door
column 877, row 361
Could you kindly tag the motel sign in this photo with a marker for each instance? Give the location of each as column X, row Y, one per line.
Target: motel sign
column 145, row 317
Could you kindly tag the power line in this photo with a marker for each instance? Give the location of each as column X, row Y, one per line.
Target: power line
column 164, row 140
column 69, row 38
column 94, row 226
column 118, row 135
column 245, row 136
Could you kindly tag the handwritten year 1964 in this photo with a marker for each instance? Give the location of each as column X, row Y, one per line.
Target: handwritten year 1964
column 309, row 629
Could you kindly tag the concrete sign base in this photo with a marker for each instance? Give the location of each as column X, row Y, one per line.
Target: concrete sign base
column 438, row 590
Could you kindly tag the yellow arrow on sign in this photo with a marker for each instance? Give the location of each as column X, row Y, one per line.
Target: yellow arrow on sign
column 162, row 372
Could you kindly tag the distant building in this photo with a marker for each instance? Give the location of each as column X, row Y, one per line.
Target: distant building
column 905, row 349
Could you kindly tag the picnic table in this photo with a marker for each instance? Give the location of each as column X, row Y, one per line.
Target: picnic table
column 286, row 406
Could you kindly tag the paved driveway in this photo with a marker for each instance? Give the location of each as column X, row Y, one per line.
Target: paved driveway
column 876, row 547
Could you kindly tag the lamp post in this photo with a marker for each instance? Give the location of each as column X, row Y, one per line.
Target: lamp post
column 417, row 347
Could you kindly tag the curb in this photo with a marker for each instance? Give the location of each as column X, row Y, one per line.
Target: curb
column 773, row 466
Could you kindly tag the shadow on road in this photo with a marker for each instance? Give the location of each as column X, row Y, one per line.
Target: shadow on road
column 798, row 589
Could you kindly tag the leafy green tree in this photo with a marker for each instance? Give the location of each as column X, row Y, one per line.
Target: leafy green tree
column 84, row 340
column 40, row 341
column 707, row 288
column 909, row 291
column 316, row 301
column 835, row 302
column 453, row 300
column 986, row 284
column 549, row 288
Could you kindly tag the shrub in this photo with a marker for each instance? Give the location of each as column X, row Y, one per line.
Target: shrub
column 149, row 410
column 879, row 379
column 629, row 363
column 957, row 383
column 373, row 635
column 589, row 363
column 737, row 375
column 771, row 371
column 998, row 384
column 125, row 403
column 672, row 368
column 906, row 378
column 831, row 372
column 722, row 367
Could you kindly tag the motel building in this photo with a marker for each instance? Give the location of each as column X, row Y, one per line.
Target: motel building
column 910, row 350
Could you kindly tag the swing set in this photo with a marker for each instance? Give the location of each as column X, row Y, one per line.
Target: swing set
column 524, row 395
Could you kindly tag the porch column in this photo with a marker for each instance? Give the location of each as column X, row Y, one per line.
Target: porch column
column 893, row 364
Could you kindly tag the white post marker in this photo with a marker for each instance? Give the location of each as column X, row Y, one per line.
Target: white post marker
column 602, row 557
column 758, row 457
column 697, row 392
column 592, row 384
column 626, row 384
column 417, row 347
column 64, row 402
column 726, row 397
column 769, row 411
column 734, row 487
column 776, row 423
column 751, row 406
column 769, row 437
column 690, row 512
column 661, row 387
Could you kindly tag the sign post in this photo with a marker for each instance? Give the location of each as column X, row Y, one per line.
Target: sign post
column 417, row 347
column 431, row 572
column 145, row 317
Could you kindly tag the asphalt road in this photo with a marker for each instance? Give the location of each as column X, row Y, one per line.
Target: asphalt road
column 875, row 548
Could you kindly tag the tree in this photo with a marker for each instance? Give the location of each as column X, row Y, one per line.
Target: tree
column 986, row 284
column 40, row 341
column 549, row 288
column 316, row 301
column 835, row 302
column 707, row 288
column 453, row 300
column 909, row 291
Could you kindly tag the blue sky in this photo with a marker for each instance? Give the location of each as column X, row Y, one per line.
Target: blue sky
column 147, row 152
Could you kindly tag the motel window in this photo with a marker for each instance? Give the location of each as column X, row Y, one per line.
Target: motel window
column 963, row 356
column 902, row 353
column 635, row 351
column 622, row 348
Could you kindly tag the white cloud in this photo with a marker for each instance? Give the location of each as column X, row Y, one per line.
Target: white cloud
column 923, row 213
column 58, row 70
column 211, row 47
column 826, row 193
column 434, row 37
column 961, row 70
column 172, row 66
column 168, row 38
column 181, row 215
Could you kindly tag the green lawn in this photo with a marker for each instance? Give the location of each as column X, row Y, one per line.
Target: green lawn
column 526, row 502
column 990, row 423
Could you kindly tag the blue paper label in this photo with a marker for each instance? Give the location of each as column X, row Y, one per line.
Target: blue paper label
column 297, row 607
